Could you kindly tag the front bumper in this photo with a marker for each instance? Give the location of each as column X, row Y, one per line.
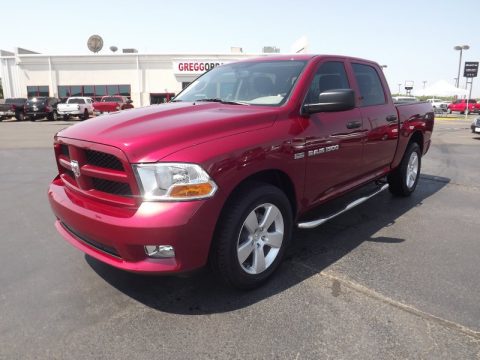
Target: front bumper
column 36, row 113
column 117, row 236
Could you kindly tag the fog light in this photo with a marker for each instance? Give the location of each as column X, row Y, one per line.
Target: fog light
column 159, row 251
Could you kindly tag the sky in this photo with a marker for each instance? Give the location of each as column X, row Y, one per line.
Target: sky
column 415, row 39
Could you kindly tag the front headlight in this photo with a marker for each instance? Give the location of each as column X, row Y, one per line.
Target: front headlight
column 173, row 181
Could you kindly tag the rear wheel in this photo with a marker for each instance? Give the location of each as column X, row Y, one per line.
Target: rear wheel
column 86, row 115
column 403, row 180
column 252, row 235
column 53, row 116
column 20, row 116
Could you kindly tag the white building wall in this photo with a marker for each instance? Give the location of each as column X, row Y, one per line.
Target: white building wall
column 146, row 74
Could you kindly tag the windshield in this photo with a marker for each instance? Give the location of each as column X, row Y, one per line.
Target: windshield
column 112, row 99
column 255, row 83
column 37, row 100
column 76, row 101
column 15, row 101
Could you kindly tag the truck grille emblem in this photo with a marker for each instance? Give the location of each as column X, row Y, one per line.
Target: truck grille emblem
column 75, row 168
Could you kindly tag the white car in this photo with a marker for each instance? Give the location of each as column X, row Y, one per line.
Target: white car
column 79, row 106
column 439, row 104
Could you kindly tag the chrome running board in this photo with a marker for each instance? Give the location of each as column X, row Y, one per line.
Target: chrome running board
column 314, row 223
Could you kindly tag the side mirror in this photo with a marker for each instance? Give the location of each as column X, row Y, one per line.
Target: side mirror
column 332, row 100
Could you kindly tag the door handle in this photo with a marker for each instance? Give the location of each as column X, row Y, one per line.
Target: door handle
column 354, row 124
column 391, row 118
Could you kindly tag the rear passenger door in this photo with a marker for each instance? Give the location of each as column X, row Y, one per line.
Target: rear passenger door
column 334, row 140
column 379, row 118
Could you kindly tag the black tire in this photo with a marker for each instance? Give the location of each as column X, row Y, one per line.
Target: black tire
column 400, row 180
column 232, row 234
column 53, row 116
column 86, row 115
column 66, row 117
column 20, row 116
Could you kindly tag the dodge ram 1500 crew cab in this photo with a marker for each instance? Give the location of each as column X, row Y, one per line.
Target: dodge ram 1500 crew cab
column 224, row 173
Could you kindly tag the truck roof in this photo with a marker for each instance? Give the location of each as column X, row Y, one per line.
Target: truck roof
column 303, row 57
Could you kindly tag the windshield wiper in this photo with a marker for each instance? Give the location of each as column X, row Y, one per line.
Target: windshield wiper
column 223, row 101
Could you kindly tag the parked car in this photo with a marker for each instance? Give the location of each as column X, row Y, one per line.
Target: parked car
column 461, row 106
column 112, row 103
column 13, row 107
column 224, row 172
column 476, row 125
column 439, row 105
column 40, row 107
column 78, row 106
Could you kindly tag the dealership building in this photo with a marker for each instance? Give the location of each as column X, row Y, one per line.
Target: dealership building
column 145, row 78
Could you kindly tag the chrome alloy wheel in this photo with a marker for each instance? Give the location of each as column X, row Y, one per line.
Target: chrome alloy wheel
column 412, row 170
column 260, row 238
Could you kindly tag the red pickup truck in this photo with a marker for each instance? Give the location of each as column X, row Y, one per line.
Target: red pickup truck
column 224, row 173
column 461, row 106
column 112, row 103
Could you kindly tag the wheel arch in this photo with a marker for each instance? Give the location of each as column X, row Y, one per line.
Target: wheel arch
column 417, row 137
column 273, row 177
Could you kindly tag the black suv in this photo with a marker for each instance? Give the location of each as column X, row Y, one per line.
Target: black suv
column 42, row 106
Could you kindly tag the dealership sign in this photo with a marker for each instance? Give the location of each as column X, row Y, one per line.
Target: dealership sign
column 471, row 69
column 195, row 67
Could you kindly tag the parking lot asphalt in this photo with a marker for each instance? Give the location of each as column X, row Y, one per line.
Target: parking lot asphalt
column 393, row 278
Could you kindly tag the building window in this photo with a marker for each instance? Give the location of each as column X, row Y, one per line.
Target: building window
column 112, row 89
column 89, row 90
column 37, row 91
column 94, row 91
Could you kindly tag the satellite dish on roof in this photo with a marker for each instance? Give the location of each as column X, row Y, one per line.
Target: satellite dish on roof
column 113, row 48
column 95, row 43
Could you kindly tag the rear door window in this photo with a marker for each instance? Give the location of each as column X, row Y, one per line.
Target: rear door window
column 369, row 84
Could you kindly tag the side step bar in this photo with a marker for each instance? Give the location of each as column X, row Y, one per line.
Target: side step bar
column 314, row 223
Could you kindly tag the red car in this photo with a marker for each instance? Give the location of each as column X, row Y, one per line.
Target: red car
column 224, row 172
column 112, row 103
column 461, row 106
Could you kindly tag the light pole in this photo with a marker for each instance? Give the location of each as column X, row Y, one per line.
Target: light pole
column 460, row 48
column 424, row 82
column 399, row 86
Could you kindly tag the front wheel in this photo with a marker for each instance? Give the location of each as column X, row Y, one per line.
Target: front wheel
column 403, row 180
column 20, row 116
column 252, row 235
column 86, row 115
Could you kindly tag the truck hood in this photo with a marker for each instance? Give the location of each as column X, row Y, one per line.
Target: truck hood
column 149, row 134
column 106, row 106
